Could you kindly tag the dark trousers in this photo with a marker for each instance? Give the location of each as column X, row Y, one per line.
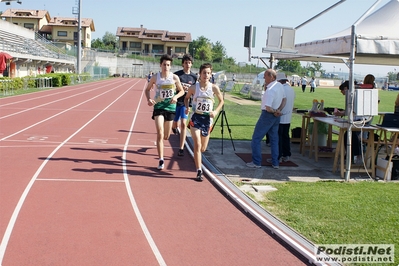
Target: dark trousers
column 284, row 142
column 303, row 88
column 356, row 145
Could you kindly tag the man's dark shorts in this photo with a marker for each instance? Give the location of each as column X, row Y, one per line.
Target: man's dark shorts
column 168, row 116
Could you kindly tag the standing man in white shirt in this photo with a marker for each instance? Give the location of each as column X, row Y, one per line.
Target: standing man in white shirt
column 304, row 82
column 312, row 84
column 268, row 121
column 285, row 119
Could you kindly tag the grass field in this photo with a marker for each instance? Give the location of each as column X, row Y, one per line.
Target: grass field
column 327, row 212
column 242, row 118
column 339, row 212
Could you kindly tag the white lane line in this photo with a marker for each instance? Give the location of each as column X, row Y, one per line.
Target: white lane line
column 71, row 144
column 64, row 111
column 79, row 180
column 146, row 232
column 13, row 219
column 58, row 100
column 56, row 92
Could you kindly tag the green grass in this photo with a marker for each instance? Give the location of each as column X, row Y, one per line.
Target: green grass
column 324, row 212
column 21, row 91
column 242, row 118
column 327, row 212
column 338, row 212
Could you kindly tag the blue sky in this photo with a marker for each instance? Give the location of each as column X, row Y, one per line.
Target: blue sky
column 220, row 20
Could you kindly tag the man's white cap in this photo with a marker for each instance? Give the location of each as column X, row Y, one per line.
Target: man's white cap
column 281, row 76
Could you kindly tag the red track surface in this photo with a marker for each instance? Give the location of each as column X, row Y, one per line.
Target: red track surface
column 79, row 186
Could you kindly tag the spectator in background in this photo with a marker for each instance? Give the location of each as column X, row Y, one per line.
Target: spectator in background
column 187, row 78
column 149, row 76
column 312, row 84
column 356, row 145
column 268, row 121
column 234, row 77
column 396, row 110
column 369, row 79
column 304, row 82
column 285, row 119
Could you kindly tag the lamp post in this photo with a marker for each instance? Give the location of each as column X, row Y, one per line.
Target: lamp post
column 8, row 3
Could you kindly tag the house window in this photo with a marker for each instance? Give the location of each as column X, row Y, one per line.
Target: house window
column 62, row 33
column 135, row 45
column 180, row 49
column 157, row 49
column 29, row 25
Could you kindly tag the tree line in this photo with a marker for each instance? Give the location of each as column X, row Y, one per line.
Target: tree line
column 203, row 50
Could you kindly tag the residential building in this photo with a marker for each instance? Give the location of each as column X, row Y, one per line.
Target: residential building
column 153, row 42
column 30, row 19
column 58, row 29
column 65, row 30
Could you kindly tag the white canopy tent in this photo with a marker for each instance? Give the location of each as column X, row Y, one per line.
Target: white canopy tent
column 377, row 41
column 373, row 39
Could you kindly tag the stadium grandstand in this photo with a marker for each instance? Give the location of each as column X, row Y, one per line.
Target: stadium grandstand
column 31, row 53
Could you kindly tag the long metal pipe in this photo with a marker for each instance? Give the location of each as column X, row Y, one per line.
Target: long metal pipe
column 321, row 13
column 79, row 56
column 351, row 91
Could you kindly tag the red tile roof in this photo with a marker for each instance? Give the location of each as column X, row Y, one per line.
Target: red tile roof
column 163, row 34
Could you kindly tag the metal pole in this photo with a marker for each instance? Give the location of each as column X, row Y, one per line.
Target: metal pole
column 351, row 91
column 309, row 20
column 349, row 106
column 79, row 57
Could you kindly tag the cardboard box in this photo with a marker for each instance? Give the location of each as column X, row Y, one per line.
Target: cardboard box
column 380, row 173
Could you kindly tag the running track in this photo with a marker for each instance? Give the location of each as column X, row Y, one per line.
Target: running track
column 79, row 186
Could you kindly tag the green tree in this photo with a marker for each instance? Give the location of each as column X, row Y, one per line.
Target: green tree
column 292, row 66
column 110, row 40
column 204, row 53
column 392, row 76
column 218, row 52
column 97, row 44
column 229, row 61
column 201, row 48
column 315, row 67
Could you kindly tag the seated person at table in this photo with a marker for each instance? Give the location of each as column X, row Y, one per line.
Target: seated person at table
column 356, row 144
column 369, row 80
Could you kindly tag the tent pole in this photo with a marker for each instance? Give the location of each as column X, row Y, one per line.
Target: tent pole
column 349, row 106
column 351, row 91
column 321, row 13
